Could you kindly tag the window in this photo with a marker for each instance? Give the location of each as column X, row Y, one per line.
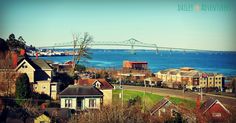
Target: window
column 54, row 88
column 173, row 113
column 216, row 114
column 163, row 110
column 92, row 103
column 24, row 66
column 68, row 103
column 159, row 113
column 97, row 85
column 216, row 82
column 44, row 87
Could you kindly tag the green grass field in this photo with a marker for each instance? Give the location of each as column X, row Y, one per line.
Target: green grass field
column 151, row 99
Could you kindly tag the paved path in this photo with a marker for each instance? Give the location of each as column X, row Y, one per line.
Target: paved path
column 230, row 101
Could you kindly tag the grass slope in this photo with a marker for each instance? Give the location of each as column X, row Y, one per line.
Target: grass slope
column 151, row 99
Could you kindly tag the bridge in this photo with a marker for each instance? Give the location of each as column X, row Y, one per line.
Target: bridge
column 127, row 43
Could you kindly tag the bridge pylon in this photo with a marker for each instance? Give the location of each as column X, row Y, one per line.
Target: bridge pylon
column 157, row 50
column 132, row 50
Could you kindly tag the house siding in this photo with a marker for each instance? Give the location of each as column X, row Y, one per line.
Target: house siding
column 42, row 118
column 217, row 109
column 29, row 71
column 107, row 97
column 42, row 87
column 86, row 103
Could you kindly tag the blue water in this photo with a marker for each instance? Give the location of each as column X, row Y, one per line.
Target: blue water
column 217, row 62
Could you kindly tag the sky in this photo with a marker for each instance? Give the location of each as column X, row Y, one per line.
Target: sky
column 198, row 24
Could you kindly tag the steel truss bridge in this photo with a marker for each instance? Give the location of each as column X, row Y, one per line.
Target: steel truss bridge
column 132, row 43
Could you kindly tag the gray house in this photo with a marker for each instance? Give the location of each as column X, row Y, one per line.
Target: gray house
column 81, row 97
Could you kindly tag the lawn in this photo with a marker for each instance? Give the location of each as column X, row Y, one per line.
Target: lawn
column 151, row 99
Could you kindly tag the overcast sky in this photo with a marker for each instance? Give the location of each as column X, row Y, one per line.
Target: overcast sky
column 199, row 24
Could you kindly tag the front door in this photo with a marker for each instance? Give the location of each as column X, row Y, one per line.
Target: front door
column 79, row 103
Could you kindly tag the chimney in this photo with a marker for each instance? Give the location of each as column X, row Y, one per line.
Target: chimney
column 22, row 52
column 167, row 97
column 14, row 59
column 37, row 55
column 198, row 103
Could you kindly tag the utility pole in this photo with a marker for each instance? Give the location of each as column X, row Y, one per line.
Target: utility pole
column 74, row 46
column 144, row 96
column 201, row 93
column 122, row 92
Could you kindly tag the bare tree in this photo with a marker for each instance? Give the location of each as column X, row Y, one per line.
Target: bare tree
column 83, row 51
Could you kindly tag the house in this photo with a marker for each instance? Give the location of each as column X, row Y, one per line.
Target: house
column 101, row 84
column 81, row 97
column 212, row 110
column 43, row 118
column 62, row 67
column 40, row 74
column 165, row 109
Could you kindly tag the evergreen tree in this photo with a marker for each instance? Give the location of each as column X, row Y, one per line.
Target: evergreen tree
column 23, row 90
column 16, row 44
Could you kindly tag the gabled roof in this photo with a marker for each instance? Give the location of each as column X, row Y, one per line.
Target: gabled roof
column 35, row 63
column 159, row 105
column 209, row 103
column 91, row 82
column 80, row 91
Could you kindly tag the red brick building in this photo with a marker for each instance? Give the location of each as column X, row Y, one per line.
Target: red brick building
column 135, row 65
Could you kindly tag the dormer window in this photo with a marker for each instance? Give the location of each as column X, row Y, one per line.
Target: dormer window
column 97, row 84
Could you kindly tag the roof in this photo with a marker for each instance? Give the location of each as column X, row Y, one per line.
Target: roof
column 159, row 105
column 35, row 63
column 209, row 103
column 41, row 63
column 90, row 82
column 132, row 62
column 153, row 79
column 186, row 68
column 80, row 91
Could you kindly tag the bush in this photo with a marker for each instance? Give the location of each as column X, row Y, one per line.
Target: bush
column 134, row 101
column 23, row 90
column 113, row 114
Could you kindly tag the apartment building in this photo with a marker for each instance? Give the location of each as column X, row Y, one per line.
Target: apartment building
column 191, row 78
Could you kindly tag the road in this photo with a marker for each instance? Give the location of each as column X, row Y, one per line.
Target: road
column 229, row 101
